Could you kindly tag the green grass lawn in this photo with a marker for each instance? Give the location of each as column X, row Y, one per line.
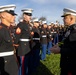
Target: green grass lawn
column 50, row 66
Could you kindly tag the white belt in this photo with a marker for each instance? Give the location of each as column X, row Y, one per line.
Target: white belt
column 44, row 36
column 54, row 32
column 24, row 39
column 36, row 38
column 49, row 35
column 51, row 32
column 2, row 54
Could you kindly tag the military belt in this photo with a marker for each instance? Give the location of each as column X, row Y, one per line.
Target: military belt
column 51, row 32
column 54, row 32
column 2, row 54
column 43, row 35
column 24, row 39
column 36, row 38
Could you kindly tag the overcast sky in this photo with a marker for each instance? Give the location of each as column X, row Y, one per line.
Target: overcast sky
column 51, row 9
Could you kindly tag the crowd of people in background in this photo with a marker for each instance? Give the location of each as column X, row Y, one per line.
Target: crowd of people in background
column 43, row 37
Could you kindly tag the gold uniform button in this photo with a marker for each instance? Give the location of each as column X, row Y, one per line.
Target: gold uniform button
column 24, row 44
column 8, row 40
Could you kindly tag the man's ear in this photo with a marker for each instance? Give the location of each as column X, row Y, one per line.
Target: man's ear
column 3, row 15
column 71, row 18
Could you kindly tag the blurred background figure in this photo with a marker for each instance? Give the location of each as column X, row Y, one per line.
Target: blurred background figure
column 43, row 37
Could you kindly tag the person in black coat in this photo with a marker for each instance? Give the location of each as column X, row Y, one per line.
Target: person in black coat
column 68, row 49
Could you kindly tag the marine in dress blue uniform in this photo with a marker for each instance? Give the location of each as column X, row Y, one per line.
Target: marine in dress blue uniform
column 43, row 40
column 49, row 38
column 8, row 64
column 35, row 45
column 23, row 38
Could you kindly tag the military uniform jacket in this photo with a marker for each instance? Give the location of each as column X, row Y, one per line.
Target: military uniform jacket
column 43, row 36
column 49, row 35
column 8, row 64
column 24, row 46
column 36, row 38
column 5, row 39
column 54, row 32
column 68, row 50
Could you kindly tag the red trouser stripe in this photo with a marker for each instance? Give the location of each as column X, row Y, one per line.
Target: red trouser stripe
column 22, row 65
column 69, row 73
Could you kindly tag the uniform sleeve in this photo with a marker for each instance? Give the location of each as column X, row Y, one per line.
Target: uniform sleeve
column 73, row 36
column 4, row 35
column 17, row 35
column 71, row 49
column 1, row 35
